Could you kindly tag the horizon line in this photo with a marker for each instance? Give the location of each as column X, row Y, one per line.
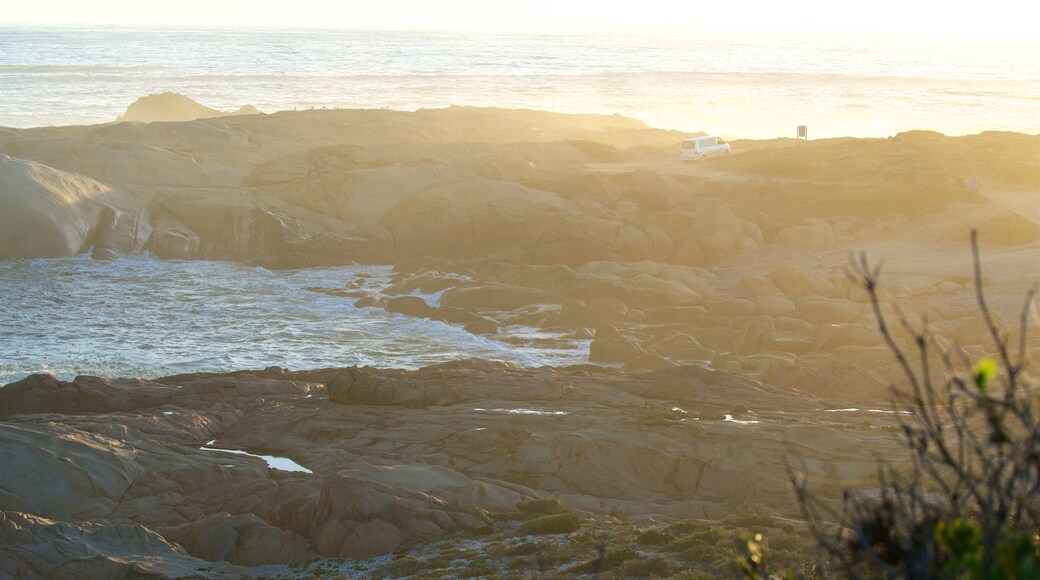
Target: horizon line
column 828, row 33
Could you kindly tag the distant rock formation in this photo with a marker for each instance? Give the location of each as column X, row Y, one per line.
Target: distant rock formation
column 175, row 107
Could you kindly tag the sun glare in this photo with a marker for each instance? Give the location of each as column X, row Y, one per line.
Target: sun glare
column 1001, row 19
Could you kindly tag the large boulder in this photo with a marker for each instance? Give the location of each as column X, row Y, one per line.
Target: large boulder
column 358, row 518
column 46, row 213
column 242, row 539
column 175, row 107
column 85, row 394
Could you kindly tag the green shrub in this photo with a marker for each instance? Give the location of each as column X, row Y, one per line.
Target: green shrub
column 655, row 538
column 607, row 560
column 524, row 549
column 652, row 567
column 405, row 566
column 551, row 524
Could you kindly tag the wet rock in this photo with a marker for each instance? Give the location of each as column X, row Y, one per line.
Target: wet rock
column 409, row 306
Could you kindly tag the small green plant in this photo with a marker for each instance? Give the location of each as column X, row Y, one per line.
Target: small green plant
column 752, row 561
column 524, row 549
column 551, row 524
column 403, row 567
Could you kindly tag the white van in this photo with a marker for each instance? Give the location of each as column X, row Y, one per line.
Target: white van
column 701, row 148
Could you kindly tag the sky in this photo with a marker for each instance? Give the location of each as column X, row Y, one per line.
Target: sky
column 950, row 19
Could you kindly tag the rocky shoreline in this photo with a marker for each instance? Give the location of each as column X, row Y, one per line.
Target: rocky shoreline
column 725, row 336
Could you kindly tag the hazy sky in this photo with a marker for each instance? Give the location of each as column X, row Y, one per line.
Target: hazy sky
column 948, row 19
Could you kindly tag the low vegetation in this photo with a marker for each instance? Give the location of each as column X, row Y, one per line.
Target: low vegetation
column 552, row 524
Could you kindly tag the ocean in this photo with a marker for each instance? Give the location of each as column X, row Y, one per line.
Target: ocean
column 144, row 318
column 731, row 86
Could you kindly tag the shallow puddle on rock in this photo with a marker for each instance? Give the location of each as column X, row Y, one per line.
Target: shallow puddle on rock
column 729, row 419
column 282, row 463
column 855, row 409
column 523, row 412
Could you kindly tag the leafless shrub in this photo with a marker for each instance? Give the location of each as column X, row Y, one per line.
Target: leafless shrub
column 968, row 505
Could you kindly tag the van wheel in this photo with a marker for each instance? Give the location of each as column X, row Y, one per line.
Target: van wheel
column 727, row 151
column 703, row 158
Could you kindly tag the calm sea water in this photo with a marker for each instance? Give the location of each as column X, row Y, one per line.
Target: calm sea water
column 733, row 86
column 142, row 317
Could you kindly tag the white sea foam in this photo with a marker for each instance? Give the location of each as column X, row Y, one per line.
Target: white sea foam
column 145, row 318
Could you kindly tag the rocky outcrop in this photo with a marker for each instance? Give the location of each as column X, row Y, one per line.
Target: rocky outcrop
column 360, row 518
column 37, row 394
column 60, row 472
column 523, row 187
column 47, row 213
column 175, row 107
column 172, row 469
column 243, row 539
column 35, row 547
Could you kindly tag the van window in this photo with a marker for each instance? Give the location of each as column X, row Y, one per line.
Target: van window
column 706, row 142
column 687, row 145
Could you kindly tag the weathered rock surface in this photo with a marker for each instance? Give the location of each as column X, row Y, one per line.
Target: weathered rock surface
column 331, row 187
column 35, row 547
column 49, row 213
column 396, row 456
